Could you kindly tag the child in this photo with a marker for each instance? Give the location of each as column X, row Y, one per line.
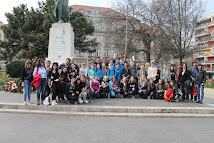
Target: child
column 143, row 87
column 99, row 72
column 159, row 90
column 132, row 87
column 151, row 89
column 95, row 86
column 111, row 72
column 104, row 90
column 123, row 87
column 113, row 85
column 71, row 92
column 172, row 92
column 118, row 73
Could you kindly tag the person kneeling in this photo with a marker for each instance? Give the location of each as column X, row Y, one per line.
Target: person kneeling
column 132, row 87
column 151, row 89
column 95, row 87
column 113, row 85
column 172, row 93
column 159, row 90
column 143, row 87
column 104, row 90
column 71, row 92
column 123, row 87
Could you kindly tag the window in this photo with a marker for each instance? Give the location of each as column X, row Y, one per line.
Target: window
column 107, row 13
column 97, row 53
column 94, row 12
column 106, row 53
column 81, row 11
column 117, row 14
column 97, row 26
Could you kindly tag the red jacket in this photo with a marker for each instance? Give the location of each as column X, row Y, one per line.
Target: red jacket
column 37, row 80
column 169, row 94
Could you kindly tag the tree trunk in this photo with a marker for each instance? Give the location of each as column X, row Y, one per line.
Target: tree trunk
column 148, row 57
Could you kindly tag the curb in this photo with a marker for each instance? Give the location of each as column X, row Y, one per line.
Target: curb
column 102, row 114
column 109, row 109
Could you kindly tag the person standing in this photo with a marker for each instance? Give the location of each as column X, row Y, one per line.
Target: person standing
column 111, row 72
column 118, row 73
column 133, row 71
column 125, row 72
column 99, row 72
column 165, row 73
column 193, row 71
column 172, row 73
column 104, row 69
column 141, row 72
column 53, row 82
column 40, row 69
column 183, row 77
column 48, row 70
column 200, row 79
column 83, row 70
column 27, row 77
column 152, row 72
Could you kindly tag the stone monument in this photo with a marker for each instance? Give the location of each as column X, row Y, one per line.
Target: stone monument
column 61, row 37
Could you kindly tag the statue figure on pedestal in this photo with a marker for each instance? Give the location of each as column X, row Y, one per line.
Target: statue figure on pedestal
column 62, row 11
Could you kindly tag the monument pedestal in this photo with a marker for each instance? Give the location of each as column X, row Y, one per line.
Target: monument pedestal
column 61, row 42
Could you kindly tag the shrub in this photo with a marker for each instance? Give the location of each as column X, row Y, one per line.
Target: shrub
column 14, row 68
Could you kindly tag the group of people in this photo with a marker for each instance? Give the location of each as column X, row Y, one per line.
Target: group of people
column 121, row 77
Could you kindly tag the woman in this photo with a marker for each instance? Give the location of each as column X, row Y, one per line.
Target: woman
column 99, row 72
column 166, row 85
column 151, row 89
column 40, row 69
column 159, row 90
column 177, row 76
column 200, row 82
column 172, row 92
column 63, row 81
column 184, row 77
column 172, row 73
column 113, row 85
column 91, row 73
column 111, row 72
column 104, row 87
column 95, row 86
column 143, row 87
column 71, row 92
column 152, row 72
column 27, row 77
column 83, row 70
column 123, row 87
column 73, row 71
column 132, row 87
column 53, row 82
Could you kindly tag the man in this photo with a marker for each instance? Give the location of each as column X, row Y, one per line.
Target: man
column 91, row 62
column 193, row 71
column 125, row 70
column 66, row 64
column 72, row 61
column 132, row 71
column 155, row 64
column 97, row 62
column 141, row 72
column 105, row 61
column 85, row 90
column 117, row 62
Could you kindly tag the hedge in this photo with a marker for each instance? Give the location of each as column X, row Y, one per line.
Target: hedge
column 14, row 68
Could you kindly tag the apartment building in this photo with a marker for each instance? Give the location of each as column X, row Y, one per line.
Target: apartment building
column 204, row 44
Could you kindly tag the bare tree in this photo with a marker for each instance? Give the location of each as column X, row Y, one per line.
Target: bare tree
column 172, row 25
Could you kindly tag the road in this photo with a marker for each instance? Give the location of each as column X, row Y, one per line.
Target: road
column 30, row 128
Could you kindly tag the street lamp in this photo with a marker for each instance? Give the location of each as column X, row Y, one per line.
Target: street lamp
column 126, row 42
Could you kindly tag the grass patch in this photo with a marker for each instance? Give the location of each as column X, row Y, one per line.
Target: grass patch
column 210, row 87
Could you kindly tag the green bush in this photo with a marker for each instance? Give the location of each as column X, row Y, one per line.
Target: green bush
column 14, row 68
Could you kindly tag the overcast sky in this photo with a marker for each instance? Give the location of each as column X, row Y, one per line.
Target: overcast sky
column 7, row 6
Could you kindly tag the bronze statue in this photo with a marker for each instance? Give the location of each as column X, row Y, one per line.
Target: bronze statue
column 62, row 11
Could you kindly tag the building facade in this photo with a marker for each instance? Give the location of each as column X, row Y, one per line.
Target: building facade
column 99, row 17
column 204, row 44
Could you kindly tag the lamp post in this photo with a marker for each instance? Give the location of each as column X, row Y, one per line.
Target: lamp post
column 126, row 42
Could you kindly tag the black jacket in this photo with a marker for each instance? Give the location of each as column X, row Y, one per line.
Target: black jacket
column 25, row 76
column 201, row 76
column 184, row 77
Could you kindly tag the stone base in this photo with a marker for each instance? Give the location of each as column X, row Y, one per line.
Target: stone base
column 61, row 42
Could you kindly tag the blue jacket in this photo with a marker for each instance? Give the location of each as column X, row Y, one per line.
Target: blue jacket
column 118, row 74
column 115, row 64
column 99, row 72
column 110, row 73
column 193, row 71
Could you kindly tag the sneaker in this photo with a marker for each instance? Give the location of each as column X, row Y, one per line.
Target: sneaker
column 177, row 100
column 25, row 103
column 200, row 102
column 68, row 101
column 197, row 102
column 52, row 103
column 29, row 102
column 86, row 101
column 55, row 102
column 75, row 103
column 38, row 103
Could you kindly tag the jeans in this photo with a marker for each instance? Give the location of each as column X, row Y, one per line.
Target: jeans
column 97, row 96
column 114, row 92
column 184, row 91
column 200, row 90
column 41, row 88
column 27, row 90
column 83, row 96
